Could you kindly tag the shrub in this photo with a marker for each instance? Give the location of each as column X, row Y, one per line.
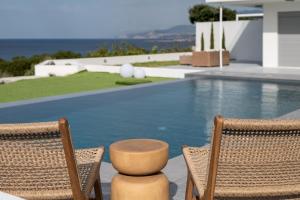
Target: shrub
column 51, row 75
column 101, row 52
column 3, row 65
column 65, row 54
column 132, row 81
column 4, row 74
column 130, row 49
column 39, row 58
column 202, row 42
column 223, row 40
column 20, row 66
column 175, row 49
column 212, row 39
column 17, row 66
column 154, row 50
column 118, row 49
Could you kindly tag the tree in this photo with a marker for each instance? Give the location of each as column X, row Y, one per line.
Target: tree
column 201, row 13
column 228, row 14
column 223, row 41
column 205, row 13
column 202, row 42
column 212, row 39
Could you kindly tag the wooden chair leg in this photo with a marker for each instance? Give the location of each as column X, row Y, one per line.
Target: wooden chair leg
column 189, row 187
column 97, row 189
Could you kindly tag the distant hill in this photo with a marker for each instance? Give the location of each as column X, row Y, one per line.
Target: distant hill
column 176, row 33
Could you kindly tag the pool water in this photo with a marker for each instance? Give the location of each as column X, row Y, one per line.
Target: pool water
column 178, row 113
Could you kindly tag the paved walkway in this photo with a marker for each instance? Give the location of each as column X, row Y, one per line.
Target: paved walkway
column 16, row 78
column 252, row 71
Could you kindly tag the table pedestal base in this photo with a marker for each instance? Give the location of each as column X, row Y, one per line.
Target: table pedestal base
column 152, row 187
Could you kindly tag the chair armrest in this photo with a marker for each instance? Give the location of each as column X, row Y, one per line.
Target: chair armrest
column 196, row 159
column 90, row 158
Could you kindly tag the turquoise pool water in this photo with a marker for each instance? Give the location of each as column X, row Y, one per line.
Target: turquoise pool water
column 178, row 113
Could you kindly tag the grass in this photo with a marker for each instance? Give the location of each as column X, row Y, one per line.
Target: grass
column 42, row 87
column 156, row 63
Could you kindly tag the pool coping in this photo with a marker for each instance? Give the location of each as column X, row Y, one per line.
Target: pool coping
column 281, row 78
column 268, row 77
column 91, row 92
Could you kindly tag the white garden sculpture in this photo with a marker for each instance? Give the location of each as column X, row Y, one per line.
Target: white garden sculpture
column 139, row 73
column 126, row 70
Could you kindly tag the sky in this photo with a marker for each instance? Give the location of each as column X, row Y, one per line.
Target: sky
column 89, row 18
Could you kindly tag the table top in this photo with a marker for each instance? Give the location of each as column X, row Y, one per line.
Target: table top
column 139, row 145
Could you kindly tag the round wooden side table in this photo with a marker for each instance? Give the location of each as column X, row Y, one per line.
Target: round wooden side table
column 139, row 162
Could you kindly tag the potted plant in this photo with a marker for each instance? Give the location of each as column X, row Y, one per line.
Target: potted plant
column 211, row 57
column 188, row 59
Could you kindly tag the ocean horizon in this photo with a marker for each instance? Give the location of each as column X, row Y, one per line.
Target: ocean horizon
column 10, row 48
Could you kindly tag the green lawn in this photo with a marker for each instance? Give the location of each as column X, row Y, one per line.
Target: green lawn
column 157, row 63
column 42, row 87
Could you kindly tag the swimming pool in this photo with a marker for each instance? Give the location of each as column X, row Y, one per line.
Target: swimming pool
column 178, row 113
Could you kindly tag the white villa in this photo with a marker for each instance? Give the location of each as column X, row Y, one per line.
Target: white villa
column 280, row 30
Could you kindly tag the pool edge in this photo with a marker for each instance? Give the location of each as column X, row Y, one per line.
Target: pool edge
column 91, row 92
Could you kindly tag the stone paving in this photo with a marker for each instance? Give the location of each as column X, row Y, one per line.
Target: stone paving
column 250, row 71
column 175, row 171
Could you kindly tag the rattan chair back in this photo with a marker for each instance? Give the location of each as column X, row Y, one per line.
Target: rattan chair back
column 37, row 157
column 251, row 154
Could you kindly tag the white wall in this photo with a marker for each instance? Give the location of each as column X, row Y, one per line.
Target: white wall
column 243, row 38
column 59, row 69
column 116, row 60
column 149, row 71
column 270, row 30
column 97, row 65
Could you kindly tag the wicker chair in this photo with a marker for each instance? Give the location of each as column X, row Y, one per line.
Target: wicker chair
column 37, row 161
column 248, row 159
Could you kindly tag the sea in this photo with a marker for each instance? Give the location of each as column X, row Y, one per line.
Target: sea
column 10, row 48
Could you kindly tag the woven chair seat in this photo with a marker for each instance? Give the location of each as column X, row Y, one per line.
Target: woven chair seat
column 51, row 183
column 249, row 187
